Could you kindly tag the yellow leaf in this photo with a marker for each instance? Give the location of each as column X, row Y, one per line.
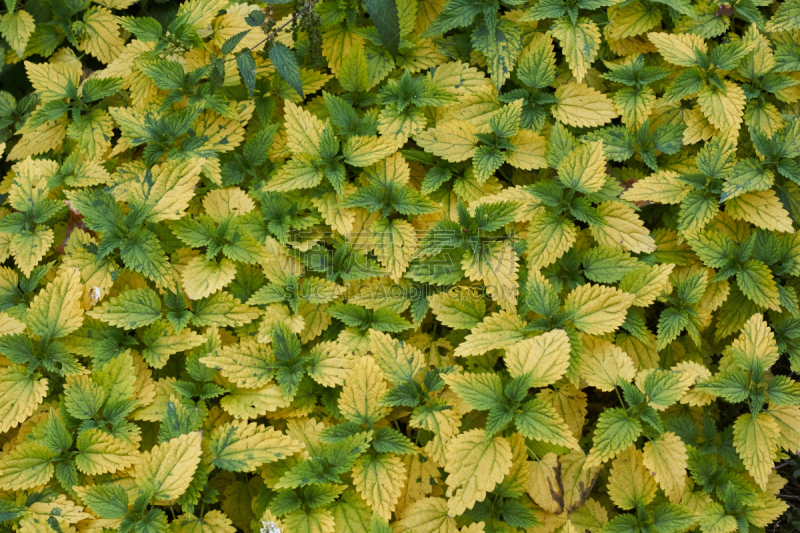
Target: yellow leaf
column 423, row 476
column 757, row 439
column 315, row 318
column 693, row 373
column 498, row 330
column 598, row 309
column 340, row 219
column 579, row 42
column 723, row 109
column 50, row 80
column 354, row 71
column 475, row 464
column 631, row 20
column 167, row 469
column 549, row 238
column 452, row 140
column 662, row 187
column 93, row 132
column 163, row 341
column 678, row 49
column 364, row 388
column 756, row 345
column 361, row 151
column 698, row 128
column 10, row 325
column 516, row 481
column 765, row 510
column 458, row 308
column 622, row 228
column 380, row 480
column 56, row 311
column 99, row 453
column 544, row 359
column 591, row 516
column 201, row 278
column 642, row 352
column 30, row 247
column 578, row 479
column 788, row 419
column 337, row 42
column 48, row 136
column 666, row 458
column 253, row 403
column 762, row 208
column 331, row 363
column 220, row 203
column 241, row 447
column 570, row 404
column 100, row 34
column 604, row 365
column 646, row 283
column 443, row 422
column 232, row 23
column 630, row 484
column 319, row 520
column 246, row 364
column 528, row 152
column 224, row 133
column 277, row 264
column 304, row 130
column 394, row 244
column 496, row 266
column 211, row 522
column 26, row 466
column 17, row 28
column 97, row 274
column 545, row 486
column 173, row 187
column 428, row 515
column 584, row 169
column 581, row 106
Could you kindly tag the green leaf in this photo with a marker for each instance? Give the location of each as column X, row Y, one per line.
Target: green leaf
column 247, row 68
column 608, row 265
column 783, row 390
column 167, row 75
column 242, row 447
column 389, row 440
column 97, row 89
column 616, row 430
column 230, row 44
column 733, row 385
column 478, row 391
column 458, row 308
column 670, row 324
column 537, row 64
column 130, row 310
column 538, row 420
column 384, row 15
column 107, row 501
column 285, row 63
column 758, row 284
column 501, row 46
column 146, row 29
column 663, row 388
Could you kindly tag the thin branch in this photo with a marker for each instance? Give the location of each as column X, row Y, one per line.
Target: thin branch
column 276, row 32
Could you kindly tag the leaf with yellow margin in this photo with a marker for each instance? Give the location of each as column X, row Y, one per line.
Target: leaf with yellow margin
column 666, row 458
column 475, row 464
column 166, row 471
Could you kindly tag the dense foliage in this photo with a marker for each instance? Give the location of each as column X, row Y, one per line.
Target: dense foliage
column 400, row 266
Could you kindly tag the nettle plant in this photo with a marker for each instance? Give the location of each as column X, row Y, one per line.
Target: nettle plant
column 425, row 266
